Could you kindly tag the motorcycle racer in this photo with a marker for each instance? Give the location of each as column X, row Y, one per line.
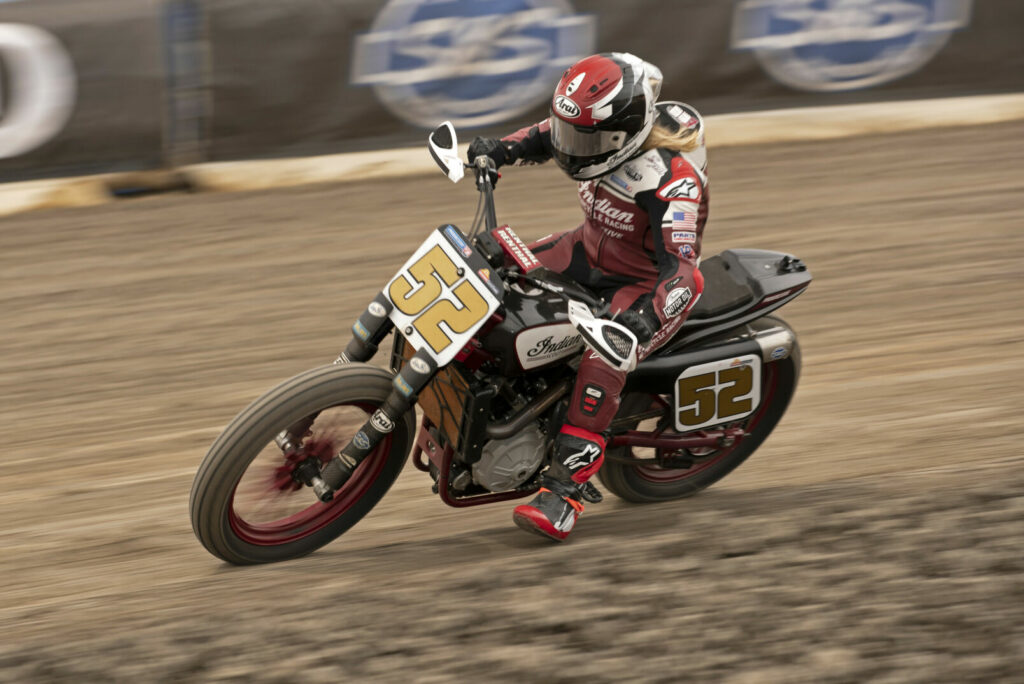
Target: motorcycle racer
column 641, row 167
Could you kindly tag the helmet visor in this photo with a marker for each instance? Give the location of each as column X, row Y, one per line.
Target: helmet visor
column 584, row 143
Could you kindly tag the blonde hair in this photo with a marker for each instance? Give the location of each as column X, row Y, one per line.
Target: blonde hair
column 684, row 140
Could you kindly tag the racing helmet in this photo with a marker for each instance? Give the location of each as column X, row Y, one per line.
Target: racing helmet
column 601, row 113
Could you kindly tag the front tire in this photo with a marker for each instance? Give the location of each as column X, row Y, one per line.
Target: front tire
column 245, row 506
column 650, row 483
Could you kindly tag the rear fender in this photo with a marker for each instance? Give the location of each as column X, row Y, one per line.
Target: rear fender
column 658, row 373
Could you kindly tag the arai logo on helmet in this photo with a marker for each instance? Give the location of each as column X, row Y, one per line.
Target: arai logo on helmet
column 474, row 63
column 566, row 107
column 831, row 45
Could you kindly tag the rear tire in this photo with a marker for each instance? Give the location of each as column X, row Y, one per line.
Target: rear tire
column 650, row 484
column 342, row 397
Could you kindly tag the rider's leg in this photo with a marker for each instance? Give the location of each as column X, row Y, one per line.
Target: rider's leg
column 579, row 447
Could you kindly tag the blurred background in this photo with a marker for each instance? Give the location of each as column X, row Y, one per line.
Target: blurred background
column 875, row 536
column 104, row 85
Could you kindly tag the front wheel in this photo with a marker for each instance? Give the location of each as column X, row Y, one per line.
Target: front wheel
column 246, row 505
column 648, row 482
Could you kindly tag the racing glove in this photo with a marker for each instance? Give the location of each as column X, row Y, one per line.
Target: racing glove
column 492, row 147
column 641, row 324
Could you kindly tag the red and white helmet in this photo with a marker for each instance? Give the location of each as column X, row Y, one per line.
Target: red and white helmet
column 601, row 112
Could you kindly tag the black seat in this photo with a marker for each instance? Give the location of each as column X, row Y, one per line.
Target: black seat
column 721, row 290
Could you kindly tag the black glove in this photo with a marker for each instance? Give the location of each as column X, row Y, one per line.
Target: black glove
column 492, row 147
column 643, row 325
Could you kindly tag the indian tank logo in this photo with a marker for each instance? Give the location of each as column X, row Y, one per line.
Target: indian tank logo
column 833, row 45
column 546, row 343
column 473, row 63
column 566, row 107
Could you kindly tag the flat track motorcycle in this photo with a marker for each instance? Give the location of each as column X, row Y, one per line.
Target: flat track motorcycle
column 486, row 342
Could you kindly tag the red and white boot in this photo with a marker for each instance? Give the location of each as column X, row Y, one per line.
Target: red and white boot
column 556, row 508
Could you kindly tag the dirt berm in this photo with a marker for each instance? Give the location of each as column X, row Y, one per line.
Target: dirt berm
column 876, row 537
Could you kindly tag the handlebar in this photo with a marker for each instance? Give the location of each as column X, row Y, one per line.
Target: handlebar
column 599, row 306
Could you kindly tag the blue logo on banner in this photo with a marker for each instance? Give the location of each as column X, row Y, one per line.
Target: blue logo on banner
column 831, row 45
column 473, row 62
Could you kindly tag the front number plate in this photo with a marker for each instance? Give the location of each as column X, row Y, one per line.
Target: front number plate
column 718, row 392
column 442, row 295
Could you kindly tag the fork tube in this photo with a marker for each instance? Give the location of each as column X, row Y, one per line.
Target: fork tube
column 406, row 386
column 372, row 326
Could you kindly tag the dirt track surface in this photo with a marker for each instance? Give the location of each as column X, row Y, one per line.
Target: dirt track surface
column 875, row 537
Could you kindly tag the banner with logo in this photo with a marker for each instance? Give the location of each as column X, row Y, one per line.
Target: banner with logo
column 107, row 85
column 81, row 87
column 320, row 76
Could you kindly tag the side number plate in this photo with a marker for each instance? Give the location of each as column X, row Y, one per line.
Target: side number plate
column 440, row 301
column 718, row 392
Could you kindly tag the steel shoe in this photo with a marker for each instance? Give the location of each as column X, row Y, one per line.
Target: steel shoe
column 549, row 514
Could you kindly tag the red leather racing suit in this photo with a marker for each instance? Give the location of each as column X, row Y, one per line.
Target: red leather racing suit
column 638, row 246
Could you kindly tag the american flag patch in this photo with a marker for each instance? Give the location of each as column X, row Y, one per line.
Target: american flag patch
column 684, row 220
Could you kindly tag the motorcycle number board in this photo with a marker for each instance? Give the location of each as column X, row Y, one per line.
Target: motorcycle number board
column 718, row 392
column 443, row 294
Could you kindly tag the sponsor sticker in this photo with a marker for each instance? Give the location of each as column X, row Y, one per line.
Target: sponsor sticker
column 360, row 330
column 566, row 107
column 686, row 251
column 361, row 440
column 402, row 386
column 419, row 365
column 778, row 353
column 516, row 249
column 632, row 173
column 381, row 423
column 377, row 309
column 677, row 300
column 621, row 183
column 684, row 236
column 455, row 237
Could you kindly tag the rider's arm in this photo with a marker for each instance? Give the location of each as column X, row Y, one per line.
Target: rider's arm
column 530, row 145
column 677, row 211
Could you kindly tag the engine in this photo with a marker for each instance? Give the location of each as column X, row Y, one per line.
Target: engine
column 507, row 463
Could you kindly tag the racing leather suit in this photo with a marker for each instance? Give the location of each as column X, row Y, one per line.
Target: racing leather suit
column 638, row 248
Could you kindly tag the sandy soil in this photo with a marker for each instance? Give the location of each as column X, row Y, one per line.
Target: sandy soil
column 875, row 537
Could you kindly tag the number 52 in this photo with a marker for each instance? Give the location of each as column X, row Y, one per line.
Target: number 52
column 717, row 392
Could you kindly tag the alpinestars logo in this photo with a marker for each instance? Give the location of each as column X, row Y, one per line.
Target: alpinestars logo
column 583, row 458
column 566, row 521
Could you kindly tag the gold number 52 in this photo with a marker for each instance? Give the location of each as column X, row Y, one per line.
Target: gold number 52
column 702, row 399
column 436, row 263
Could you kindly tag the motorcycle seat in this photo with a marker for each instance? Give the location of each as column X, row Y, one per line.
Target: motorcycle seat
column 722, row 292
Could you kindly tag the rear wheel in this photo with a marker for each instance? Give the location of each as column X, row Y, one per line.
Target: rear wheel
column 248, row 504
column 648, row 482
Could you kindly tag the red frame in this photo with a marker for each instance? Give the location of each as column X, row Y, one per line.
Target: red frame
column 428, row 451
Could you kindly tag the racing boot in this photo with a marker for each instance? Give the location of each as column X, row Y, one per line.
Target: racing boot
column 554, row 511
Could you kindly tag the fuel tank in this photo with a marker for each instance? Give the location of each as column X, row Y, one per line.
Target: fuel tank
column 535, row 333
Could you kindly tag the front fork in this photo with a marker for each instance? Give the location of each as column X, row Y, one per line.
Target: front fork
column 367, row 333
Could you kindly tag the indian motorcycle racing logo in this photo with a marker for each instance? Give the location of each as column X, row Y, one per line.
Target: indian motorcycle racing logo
column 832, row 45
column 473, row 62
